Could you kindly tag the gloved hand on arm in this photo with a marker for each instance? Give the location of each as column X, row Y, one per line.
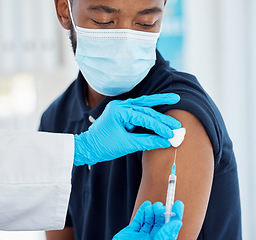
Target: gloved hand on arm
column 149, row 223
column 110, row 137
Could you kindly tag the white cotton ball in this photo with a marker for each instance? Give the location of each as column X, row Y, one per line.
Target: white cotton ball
column 178, row 137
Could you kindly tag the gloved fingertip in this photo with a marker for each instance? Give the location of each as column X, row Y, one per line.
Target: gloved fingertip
column 163, row 145
column 149, row 209
column 170, row 133
column 155, row 142
column 178, row 125
column 158, row 204
column 144, row 205
column 139, row 217
column 158, row 208
column 180, row 203
column 174, row 97
column 178, row 208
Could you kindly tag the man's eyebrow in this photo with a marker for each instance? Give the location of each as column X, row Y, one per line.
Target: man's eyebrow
column 103, row 8
column 150, row 10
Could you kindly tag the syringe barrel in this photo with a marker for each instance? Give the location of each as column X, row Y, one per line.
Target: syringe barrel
column 170, row 193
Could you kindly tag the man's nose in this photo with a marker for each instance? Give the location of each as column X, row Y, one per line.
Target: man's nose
column 125, row 24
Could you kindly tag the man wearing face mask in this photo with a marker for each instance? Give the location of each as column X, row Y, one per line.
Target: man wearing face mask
column 114, row 42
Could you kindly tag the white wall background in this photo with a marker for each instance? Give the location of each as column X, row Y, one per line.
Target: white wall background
column 220, row 49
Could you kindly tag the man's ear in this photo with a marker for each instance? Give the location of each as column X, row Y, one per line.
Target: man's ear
column 63, row 13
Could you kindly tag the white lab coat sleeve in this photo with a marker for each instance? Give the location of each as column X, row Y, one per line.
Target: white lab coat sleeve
column 35, row 180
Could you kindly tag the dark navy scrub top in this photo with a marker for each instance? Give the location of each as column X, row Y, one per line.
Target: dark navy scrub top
column 103, row 196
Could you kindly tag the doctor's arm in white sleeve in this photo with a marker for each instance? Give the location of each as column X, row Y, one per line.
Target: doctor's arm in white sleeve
column 35, row 169
column 35, row 180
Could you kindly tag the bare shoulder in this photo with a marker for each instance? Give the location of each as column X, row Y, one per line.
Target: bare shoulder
column 195, row 166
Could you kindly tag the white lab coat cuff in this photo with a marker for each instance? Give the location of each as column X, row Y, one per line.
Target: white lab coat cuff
column 65, row 183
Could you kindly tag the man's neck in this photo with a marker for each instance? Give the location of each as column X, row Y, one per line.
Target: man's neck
column 93, row 98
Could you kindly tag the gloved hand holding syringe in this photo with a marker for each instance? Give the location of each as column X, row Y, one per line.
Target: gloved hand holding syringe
column 180, row 133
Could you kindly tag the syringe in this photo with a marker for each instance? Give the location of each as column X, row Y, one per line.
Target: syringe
column 171, row 192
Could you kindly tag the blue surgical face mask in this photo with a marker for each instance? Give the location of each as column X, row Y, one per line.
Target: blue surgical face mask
column 114, row 61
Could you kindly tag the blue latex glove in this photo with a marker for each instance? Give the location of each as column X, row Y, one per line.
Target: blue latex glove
column 148, row 223
column 170, row 230
column 109, row 138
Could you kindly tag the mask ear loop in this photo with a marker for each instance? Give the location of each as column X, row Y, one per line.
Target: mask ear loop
column 71, row 16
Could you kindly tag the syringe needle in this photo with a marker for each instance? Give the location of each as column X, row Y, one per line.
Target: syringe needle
column 175, row 154
column 174, row 165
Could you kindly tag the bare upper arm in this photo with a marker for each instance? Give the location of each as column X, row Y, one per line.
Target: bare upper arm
column 65, row 234
column 195, row 166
